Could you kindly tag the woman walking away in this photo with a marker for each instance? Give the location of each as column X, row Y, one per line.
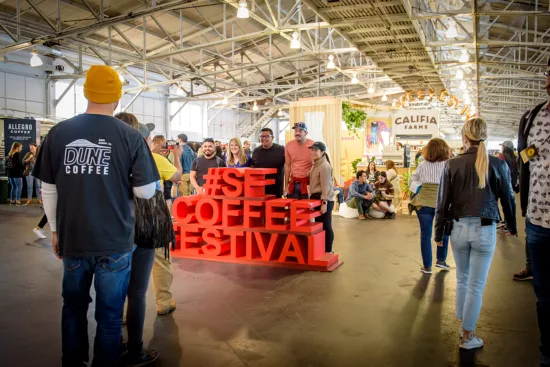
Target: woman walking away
column 427, row 176
column 321, row 187
column 15, row 169
column 471, row 185
column 236, row 157
column 29, row 160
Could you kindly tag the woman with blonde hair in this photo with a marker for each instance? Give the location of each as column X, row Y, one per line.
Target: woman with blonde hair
column 469, row 191
column 14, row 170
column 236, row 157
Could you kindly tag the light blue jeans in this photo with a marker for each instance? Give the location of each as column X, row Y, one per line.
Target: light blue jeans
column 473, row 247
column 33, row 181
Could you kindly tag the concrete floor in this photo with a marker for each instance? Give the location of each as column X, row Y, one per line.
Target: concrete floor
column 375, row 310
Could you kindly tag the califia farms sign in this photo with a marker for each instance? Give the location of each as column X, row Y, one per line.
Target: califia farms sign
column 416, row 122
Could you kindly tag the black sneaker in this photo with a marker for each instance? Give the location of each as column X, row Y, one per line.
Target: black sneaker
column 143, row 358
column 442, row 265
column 523, row 275
column 389, row 216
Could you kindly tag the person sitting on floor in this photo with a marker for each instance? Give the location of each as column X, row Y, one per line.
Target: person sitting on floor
column 384, row 195
column 360, row 195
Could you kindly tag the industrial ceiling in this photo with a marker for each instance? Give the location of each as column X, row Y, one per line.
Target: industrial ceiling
column 490, row 55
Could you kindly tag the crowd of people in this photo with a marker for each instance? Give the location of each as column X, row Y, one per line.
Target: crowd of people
column 137, row 176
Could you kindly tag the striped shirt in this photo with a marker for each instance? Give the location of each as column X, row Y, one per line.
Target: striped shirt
column 427, row 172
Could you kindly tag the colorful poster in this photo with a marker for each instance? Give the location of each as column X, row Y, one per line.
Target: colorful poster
column 377, row 127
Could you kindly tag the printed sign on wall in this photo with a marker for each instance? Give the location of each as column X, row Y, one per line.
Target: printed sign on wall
column 19, row 130
column 416, row 122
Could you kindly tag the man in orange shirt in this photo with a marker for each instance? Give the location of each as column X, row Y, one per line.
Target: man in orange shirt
column 298, row 163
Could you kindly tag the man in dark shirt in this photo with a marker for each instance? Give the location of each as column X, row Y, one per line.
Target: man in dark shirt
column 270, row 155
column 91, row 166
column 201, row 164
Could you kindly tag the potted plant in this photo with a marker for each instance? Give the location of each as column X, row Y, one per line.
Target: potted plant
column 353, row 118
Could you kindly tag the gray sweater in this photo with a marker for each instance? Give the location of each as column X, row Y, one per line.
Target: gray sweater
column 321, row 180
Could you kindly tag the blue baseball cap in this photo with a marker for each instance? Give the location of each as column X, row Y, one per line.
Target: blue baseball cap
column 300, row 125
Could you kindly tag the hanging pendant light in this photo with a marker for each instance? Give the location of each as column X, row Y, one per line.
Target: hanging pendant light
column 371, row 88
column 330, row 64
column 463, row 85
column 451, row 31
column 354, row 79
column 243, row 10
column 35, row 59
column 225, row 101
column 459, row 75
column 295, row 43
column 280, row 113
column 384, row 97
column 464, row 56
column 255, row 107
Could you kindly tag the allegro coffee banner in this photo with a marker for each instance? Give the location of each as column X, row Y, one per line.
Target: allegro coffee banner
column 416, row 122
column 19, row 130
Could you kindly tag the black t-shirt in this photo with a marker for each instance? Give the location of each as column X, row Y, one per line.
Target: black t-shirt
column 273, row 157
column 94, row 161
column 202, row 164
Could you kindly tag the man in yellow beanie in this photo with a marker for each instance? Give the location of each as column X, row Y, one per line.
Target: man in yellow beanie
column 91, row 166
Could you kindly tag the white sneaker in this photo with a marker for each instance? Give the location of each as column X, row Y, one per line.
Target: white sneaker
column 473, row 343
column 39, row 233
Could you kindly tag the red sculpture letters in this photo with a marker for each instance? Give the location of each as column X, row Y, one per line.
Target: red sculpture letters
column 234, row 221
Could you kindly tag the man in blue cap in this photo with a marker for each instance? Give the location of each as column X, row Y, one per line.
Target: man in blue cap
column 298, row 163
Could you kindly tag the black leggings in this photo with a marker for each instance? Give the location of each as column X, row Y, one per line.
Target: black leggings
column 43, row 222
column 326, row 219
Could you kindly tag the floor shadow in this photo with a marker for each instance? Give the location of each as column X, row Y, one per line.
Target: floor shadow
column 401, row 325
column 430, row 328
column 166, row 341
column 248, row 276
column 467, row 358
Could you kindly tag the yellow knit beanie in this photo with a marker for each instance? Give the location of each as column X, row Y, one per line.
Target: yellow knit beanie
column 102, row 85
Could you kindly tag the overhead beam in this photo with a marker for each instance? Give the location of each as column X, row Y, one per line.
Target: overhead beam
column 42, row 15
column 338, row 8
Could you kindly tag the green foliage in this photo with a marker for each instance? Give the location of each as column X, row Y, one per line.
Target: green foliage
column 353, row 118
column 354, row 165
column 405, row 184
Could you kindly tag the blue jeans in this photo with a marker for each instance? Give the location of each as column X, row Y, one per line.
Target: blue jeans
column 33, row 181
column 340, row 192
column 16, row 188
column 142, row 264
column 297, row 194
column 426, row 218
column 111, row 275
column 473, row 248
column 538, row 240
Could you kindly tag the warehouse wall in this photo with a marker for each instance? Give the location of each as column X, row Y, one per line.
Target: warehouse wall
column 22, row 91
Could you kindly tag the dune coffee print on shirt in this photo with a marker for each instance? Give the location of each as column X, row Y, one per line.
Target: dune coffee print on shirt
column 84, row 157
